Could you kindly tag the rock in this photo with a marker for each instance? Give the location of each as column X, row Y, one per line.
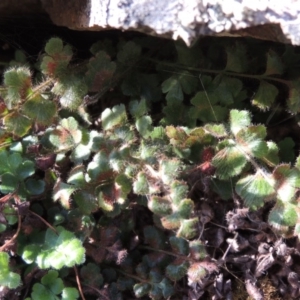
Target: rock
column 17, row 8
column 277, row 21
column 271, row 20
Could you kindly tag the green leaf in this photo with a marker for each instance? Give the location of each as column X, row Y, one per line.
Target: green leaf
column 177, row 135
column 274, row 64
column 25, row 169
column 49, row 289
column 66, row 135
column 265, row 95
column 160, row 206
column 189, row 82
column 63, row 192
column 167, row 288
column 13, row 170
column 9, row 183
column 107, row 198
column 62, row 250
column 197, row 136
column 225, row 89
column 7, row 278
column 255, row 189
column 188, row 228
column 249, row 142
column 197, row 250
column 286, row 149
column 179, row 245
column 69, row 293
column 35, row 187
column 293, row 101
column 178, row 192
column 229, row 162
column 287, row 182
column 283, row 215
column 143, row 126
column 30, row 252
column 57, row 60
column 169, row 170
column 216, row 130
column 124, row 182
column 141, row 289
column 41, row 110
column 239, row 119
column 272, row 158
column 177, row 269
column 10, row 214
column 100, row 73
column 113, row 117
column 86, row 202
column 52, row 281
column 72, row 90
column 77, row 176
column 129, row 54
column 176, row 112
column 223, row 188
column 99, row 167
column 237, row 58
column 17, row 123
column 171, row 222
column 91, row 275
column 154, row 237
column 172, row 87
column 206, row 109
column 54, row 46
column 297, row 163
column 105, row 45
column 3, row 227
column 138, row 108
column 185, row 208
column 18, row 83
column 20, row 58
column 140, row 185
column 196, row 272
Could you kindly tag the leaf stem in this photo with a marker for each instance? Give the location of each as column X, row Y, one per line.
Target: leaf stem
column 133, row 276
column 44, row 221
column 78, row 283
column 3, row 247
column 229, row 73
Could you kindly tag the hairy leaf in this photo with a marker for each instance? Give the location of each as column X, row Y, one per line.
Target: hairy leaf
column 39, row 109
column 188, row 228
column 255, row 189
column 177, row 269
column 113, row 117
column 283, row 215
column 229, row 161
column 287, row 182
column 239, row 120
column 18, row 82
column 17, row 124
column 217, row 130
column 100, row 72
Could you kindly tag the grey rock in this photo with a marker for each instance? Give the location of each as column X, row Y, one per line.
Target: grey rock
column 187, row 19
